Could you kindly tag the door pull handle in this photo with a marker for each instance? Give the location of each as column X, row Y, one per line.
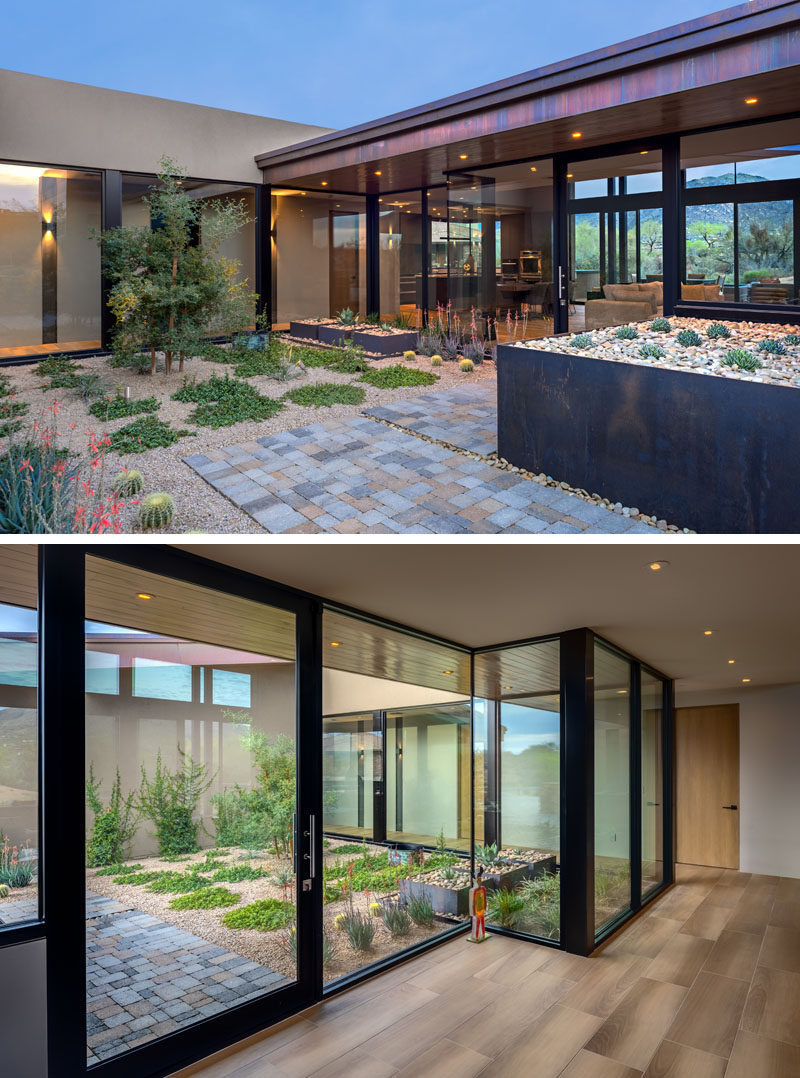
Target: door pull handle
column 731, row 808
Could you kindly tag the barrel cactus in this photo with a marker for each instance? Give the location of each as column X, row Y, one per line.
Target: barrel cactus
column 376, row 909
column 4, row 889
column 126, row 484
column 156, row 511
column 340, row 920
column 409, row 356
column 436, row 361
column 466, row 365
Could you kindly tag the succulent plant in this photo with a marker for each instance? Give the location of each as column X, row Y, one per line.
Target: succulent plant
column 775, row 348
column 376, row 909
column 792, row 338
column 466, row 365
column 156, row 511
column 741, row 358
column 650, row 350
column 346, row 317
column 581, row 340
column 660, row 325
column 340, row 920
column 436, row 361
column 409, row 356
column 126, row 484
column 627, row 333
column 717, row 330
column 4, row 889
column 688, row 338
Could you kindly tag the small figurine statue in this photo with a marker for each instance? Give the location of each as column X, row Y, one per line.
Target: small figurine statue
column 477, row 909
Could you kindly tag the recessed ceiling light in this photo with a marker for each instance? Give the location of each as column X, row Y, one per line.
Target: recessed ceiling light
column 657, row 565
column 707, row 632
column 378, row 172
column 506, row 686
column 569, row 175
column 336, row 643
column 447, row 671
column 577, row 134
column 745, row 680
column 462, row 156
column 324, row 183
column 731, row 662
column 143, row 595
column 622, row 692
column 533, row 168
column 751, row 101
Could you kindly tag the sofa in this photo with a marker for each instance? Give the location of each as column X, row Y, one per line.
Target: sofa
column 623, row 303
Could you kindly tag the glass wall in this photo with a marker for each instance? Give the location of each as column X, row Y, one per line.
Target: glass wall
column 19, row 737
column 501, row 244
column 190, row 767
column 396, row 746
column 319, row 255
column 438, row 257
column 741, row 188
column 49, row 261
column 401, row 225
column 518, row 692
column 616, row 240
column 652, row 706
column 612, row 785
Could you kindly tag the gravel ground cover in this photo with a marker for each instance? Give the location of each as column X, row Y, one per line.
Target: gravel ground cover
column 198, row 507
column 774, row 347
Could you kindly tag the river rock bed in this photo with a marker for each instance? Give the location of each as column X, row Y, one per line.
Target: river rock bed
column 705, row 358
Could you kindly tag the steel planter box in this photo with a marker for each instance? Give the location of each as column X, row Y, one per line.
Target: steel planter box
column 338, row 335
column 704, row 452
column 393, row 344
column 450, row 900
column 304, row 329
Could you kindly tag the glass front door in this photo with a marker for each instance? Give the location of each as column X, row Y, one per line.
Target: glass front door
column 199, row 893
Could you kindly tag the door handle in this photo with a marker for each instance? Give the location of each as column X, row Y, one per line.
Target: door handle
column 311, row 835
column 731, row 808
column 654, row 804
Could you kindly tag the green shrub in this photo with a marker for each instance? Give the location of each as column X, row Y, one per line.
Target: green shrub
column 397, row 376
column 256, row 816
column 207, row 898
column 114, row 824
column 420, row 910
column 236, row 874
column 326, row 394
column 360, row 929
column 660, row 325
column 627, row 333
column 55, row 365
column 717, row 331
column 264, row 915
column 504, row 907
column 688, row 338
column 177, row 883
column 139, row 879
column 117, row 407
column 581, row 340
column 742, row 359
column 649, row 350
column 149, row 432
column 349, row 847
column 169, row 801
column 542, row 914
column 156, row 511
column 351, row 361
column 221, row 402
column 396, row 919
column 772, row 347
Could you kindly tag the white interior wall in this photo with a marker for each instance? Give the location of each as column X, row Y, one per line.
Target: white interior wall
column 769, row 790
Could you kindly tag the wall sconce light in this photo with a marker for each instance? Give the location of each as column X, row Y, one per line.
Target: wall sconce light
column 48, row 229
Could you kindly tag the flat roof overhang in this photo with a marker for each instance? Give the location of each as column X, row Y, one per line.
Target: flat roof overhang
column 688, row 77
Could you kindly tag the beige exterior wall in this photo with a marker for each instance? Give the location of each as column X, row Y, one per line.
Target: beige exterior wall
column 52, row 122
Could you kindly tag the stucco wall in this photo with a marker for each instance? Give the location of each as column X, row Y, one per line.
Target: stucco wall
column 52, row 122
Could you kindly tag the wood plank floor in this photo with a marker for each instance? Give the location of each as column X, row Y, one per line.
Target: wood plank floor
column 705, row 985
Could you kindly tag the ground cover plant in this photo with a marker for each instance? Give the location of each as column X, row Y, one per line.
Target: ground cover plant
column 264, row 915
column 117, row 407
column 397, row 376
column 149, row 432
column 221, row 402
column 11, row 409
column 326, row 394
column 205, row 899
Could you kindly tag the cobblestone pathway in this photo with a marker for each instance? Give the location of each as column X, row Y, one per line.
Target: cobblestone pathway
column 147, row 978
column 358, row 475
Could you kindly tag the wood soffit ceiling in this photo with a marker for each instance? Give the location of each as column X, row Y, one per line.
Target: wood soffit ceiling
column 657, row 85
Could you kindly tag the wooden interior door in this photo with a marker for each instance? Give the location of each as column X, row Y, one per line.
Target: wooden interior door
column 707, row 785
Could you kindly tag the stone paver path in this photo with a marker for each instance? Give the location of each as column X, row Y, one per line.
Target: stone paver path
column 147, row 978
column 465, row 416
column 358, row 475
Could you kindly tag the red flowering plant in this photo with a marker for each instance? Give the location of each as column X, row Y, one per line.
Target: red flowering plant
column 47, row 486
column 17, row 865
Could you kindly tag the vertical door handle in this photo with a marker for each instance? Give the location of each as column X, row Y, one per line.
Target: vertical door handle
column 309, row 856
column 731, row 808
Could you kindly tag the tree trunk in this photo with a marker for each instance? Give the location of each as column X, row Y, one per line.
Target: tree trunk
column 172, row 312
